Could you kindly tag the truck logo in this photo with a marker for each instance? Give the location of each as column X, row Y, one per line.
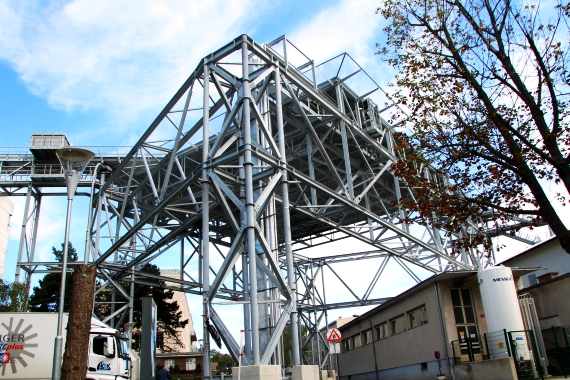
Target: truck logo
column 15, row 340
column 4, row 357
column 102, row 366
column 502, row 279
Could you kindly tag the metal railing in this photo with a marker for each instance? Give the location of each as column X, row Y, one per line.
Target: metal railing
column 520, row 345
column 556, row 342
column 470, row 349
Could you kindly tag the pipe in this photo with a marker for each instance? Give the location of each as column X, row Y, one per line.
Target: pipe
column 442, row 324
column 206, row 220
column 295, row 347
column 249, row 205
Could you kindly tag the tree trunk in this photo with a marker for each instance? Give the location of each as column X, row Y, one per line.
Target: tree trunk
column 75, row 358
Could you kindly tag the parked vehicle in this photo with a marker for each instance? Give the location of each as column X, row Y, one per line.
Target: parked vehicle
column 27, row 346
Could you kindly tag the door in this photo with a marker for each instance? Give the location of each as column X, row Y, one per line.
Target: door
column 469, row 342
column 101, row 354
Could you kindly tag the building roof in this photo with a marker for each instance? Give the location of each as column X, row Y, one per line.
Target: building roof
column 534, row 247
column 544, row 283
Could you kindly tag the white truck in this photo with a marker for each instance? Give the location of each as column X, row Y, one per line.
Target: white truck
column 27, row 346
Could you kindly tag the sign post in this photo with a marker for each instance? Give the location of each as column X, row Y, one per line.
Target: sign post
column 438, row 358
column 334, row 339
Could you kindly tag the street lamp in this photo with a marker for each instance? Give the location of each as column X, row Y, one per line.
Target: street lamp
column 73, row 162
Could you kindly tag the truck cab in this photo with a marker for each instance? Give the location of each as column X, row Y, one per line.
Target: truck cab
column 108, row 353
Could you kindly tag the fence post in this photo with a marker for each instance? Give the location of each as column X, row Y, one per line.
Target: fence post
column 453, row 351
column 514, row 352
column 507, row 342
column 536, row 354
column 470, row 350
column 566, row 340
column 486, row 347
column 558, row 352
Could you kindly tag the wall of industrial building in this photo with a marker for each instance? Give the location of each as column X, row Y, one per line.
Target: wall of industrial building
column 187, row 334
column 410, row 354
column 447, row 306
column 409, row 348
column 547, row 299
column 548, row 256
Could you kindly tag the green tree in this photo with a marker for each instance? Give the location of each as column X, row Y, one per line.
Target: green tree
column 13, row 296
column 486, row 86
column 168, row 312
column 225, row 364
column 45, row 296
column 287, row 350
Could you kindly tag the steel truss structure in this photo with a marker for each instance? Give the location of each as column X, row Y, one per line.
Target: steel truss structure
column 250, row 164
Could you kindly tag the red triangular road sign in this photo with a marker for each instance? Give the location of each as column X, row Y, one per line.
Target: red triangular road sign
column 334, row 336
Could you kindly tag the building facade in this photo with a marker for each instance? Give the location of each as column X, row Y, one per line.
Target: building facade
column 548, row 284
column 403, row 338
column 187, row 335
column 332, row 362
column 181, row 361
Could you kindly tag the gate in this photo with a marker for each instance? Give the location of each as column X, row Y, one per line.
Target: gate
column 525, row 354
column 557, row 343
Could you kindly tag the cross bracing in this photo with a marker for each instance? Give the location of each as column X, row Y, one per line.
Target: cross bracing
column 252, row 163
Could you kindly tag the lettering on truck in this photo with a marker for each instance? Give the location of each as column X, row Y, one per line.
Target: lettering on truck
column 502, row 279
column 13, row 344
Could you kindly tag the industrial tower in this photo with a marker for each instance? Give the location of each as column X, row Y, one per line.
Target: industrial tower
column 259, row 155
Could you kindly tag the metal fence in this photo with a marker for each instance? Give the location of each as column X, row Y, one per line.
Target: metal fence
column 520, row 345
column 556, row 342
column 472, row 349
column 525, row 354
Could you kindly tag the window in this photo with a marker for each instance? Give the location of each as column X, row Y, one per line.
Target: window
column 346, row 345
column 169, row 364
column 367, row 337
column 397, row 324
column 100, row 345
column 423, row 366
column 160, row 341
column 532, row 279
column 381, row 331
column 418, row 317
column 462, row 306
column 190, row 364
column 356, row 341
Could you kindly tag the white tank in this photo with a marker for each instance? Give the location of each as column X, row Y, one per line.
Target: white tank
column 500, row 300
column 501, row 305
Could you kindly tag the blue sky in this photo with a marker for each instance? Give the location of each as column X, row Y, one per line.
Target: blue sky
column 101, row 71
column 95, row 69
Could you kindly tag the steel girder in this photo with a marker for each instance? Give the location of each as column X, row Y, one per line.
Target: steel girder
column 280, row 161
column 250, row 163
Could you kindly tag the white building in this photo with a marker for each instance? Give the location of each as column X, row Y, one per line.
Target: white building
column 188, row 334
column 549, row 284
column 6, row 210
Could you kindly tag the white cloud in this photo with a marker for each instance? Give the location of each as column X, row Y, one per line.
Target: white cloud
column 352, row 27
column 122, row 57
column 347, row 26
